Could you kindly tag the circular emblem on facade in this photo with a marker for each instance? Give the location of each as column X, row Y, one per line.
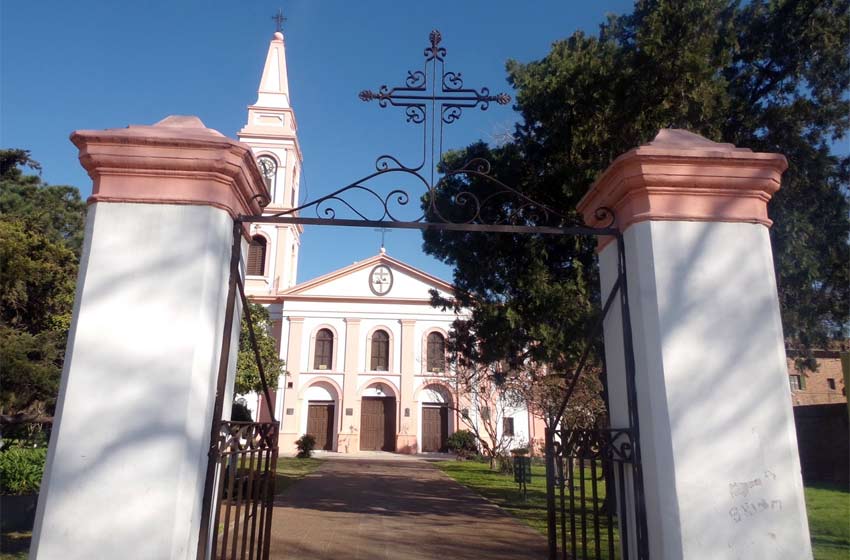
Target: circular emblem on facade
column 381, row 280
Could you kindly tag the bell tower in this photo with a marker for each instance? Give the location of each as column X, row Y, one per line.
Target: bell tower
column 271, row 132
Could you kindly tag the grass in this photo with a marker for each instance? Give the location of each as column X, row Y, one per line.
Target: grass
column 829, row 521
column 15, row 545
column 290, row 470
column 503, row 491
column 828, row 506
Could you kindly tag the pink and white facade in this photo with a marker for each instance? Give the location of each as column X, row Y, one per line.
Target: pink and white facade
column 345, row 310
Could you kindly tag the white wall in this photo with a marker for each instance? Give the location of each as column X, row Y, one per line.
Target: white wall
column 720, row 460
column 136, row 398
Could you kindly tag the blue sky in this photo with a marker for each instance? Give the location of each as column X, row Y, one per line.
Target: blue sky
column 91, row 65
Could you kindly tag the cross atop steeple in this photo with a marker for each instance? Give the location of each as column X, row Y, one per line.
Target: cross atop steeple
column 279, row 19
column 383, row 231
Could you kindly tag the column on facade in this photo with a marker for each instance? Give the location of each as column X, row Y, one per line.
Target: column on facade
column 406, row 441
column 349, row 432
column 719, row 453
column 290, row 419
column 127, row 459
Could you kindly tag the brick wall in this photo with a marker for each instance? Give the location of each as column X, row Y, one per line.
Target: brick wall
column 816, row 389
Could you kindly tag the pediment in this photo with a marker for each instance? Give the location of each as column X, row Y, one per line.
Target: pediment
column 393, row 280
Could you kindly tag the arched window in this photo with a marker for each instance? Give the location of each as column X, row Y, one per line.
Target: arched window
column 436, row 352
column 380, row 351
column 323, row 357
column 257, row 256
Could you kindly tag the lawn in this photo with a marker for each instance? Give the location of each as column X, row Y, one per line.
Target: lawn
column 828, row 507
column 531, row 510
column 829, row 521
column 291, row 469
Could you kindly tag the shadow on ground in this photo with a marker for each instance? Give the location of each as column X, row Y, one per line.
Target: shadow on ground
column 393, row 509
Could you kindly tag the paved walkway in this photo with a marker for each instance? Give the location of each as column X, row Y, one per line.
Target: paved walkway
column 364, row 509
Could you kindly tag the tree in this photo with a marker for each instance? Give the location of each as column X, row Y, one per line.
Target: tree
column 40, row 243
column 771, row 76
column 482, row 405
column 247, row 372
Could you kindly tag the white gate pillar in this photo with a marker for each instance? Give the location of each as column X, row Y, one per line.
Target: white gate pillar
column 719, row 449
column 128, row 453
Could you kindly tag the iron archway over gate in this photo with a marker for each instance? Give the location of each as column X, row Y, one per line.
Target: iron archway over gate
column 580, row 464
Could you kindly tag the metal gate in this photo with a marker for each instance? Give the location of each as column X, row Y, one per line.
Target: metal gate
column 594, row 479
column 236, row 512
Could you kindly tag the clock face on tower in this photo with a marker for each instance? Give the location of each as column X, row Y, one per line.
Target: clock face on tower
column 269, row 167
column 380, row 280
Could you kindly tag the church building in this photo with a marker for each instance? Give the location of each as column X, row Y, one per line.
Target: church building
column 365, row 351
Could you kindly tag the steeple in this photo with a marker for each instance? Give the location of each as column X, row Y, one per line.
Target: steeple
column 274, row 85
column 271, row 132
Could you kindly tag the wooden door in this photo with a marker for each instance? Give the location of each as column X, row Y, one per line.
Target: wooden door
column 435, row 427
column 320, row 423
column 377, row 424
column 263, row 412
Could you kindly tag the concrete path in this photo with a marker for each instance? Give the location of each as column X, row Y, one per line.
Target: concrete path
column 364, row 509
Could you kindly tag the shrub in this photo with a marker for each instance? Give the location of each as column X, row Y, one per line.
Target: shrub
column 505, row 463
column 21, row 470
column 305, row 445
column 463, row 444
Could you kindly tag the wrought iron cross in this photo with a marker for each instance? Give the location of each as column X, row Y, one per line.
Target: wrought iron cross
column 279, row 19
column 430, row 92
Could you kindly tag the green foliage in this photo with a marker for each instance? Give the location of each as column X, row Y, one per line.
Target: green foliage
column 463, row 444
column 40, row 242
column 247, row 372
column 37, row 280
column 32, row 365
column 57, row 212
column 770, row 76
column 305, row 445
column 21, row 471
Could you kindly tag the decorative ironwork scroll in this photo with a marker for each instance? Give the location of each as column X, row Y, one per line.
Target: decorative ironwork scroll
column 426, row 194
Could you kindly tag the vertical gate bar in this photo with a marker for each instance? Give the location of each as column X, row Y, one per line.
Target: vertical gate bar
column 241, row 502
column 237, row 518
column 272, row 476
column 218, row 498
column 230, row 482
column 609, row 505
column 221, row 386
column 596, row 536
column 573, row 535
column 563, row 507
column 256, row 490
column 249, row 490
column 264, row 488
column 550, row 492
column 258, row 548
column 622, row 515
column 629, row 355
column 583, row 498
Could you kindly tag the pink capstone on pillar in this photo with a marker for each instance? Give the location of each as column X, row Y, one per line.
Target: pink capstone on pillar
column 719, row 449
column 127, row 458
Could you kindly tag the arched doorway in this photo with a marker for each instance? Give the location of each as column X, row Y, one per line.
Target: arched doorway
column 321, row 416
column 436, row 403
column 378, row 417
